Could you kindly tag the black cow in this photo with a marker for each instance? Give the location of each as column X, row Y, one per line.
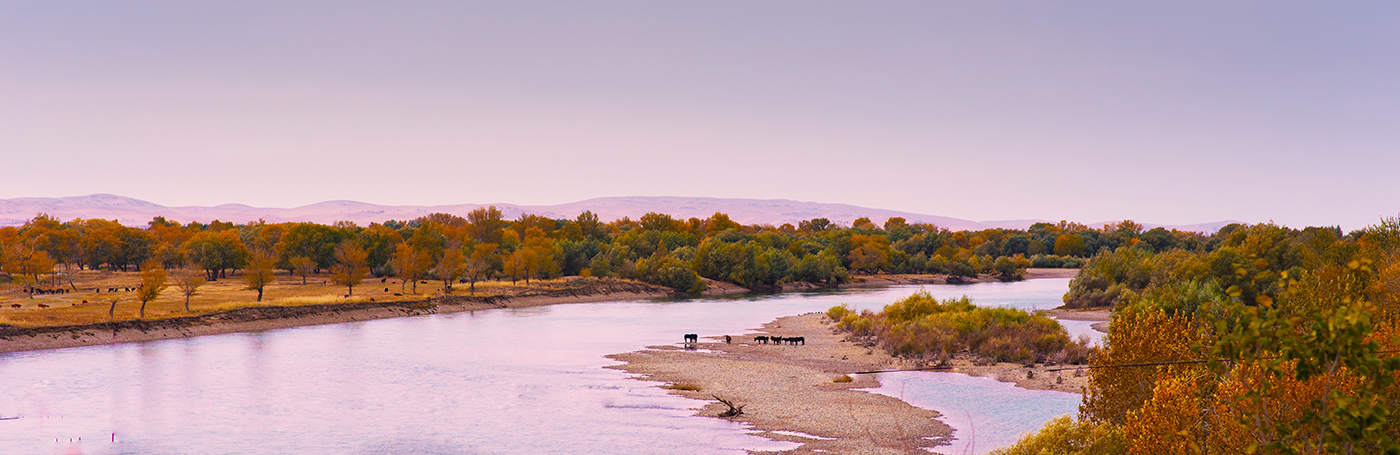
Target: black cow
column 797, row 340
column 692, row 338
column 777, row 339
column 761, row 339
column 728, row 340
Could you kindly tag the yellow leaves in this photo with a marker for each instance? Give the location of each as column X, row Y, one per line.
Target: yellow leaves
column 1138, row 337
column 1169, row 422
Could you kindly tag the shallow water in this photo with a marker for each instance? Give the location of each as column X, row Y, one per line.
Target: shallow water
column 497, row 381
column 985, row 414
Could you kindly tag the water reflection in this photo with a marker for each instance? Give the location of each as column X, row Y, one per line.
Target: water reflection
column 985, row 414
column 499, row 381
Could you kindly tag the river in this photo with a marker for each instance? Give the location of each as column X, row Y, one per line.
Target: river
column 496, row 381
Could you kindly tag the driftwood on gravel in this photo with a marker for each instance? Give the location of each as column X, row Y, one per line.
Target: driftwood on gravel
column 733, row 411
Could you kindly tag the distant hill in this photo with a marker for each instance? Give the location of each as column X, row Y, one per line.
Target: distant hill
column 135, row 212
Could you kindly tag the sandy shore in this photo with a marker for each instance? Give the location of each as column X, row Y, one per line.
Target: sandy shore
column 790, row 391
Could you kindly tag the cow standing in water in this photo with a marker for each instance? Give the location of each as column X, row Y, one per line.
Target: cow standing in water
column 692, row 338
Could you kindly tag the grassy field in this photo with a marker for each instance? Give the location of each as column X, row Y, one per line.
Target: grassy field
column 84, row 306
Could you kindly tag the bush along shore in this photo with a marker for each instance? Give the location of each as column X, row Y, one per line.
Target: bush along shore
column 922, row 327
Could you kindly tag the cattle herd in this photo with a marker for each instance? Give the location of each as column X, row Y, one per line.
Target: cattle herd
column 761, row 339
column 41, row 291
column 38, row 291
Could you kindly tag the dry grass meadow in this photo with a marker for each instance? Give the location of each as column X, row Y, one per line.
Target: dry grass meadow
column 85, row 306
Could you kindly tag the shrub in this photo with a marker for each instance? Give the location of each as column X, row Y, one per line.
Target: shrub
column 922, row 326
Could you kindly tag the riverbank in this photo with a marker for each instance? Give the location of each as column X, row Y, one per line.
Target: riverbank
column 171, row 323
column 256, row 318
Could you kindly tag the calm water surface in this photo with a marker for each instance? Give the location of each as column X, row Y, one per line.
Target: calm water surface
column 496, row 381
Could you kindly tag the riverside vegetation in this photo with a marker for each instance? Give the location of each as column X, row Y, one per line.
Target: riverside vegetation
column 920, row 326
column 209, row 263
column 1265, row 339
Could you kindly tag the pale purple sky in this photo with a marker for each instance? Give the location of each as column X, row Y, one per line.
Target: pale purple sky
column 1170, row 112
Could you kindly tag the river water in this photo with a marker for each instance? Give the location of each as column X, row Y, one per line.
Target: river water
column 497, row 381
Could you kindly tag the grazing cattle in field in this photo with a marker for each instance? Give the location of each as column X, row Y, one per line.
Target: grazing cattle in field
column 728, row 340
column 383, row 280
column 692, row 338
column 777, row 339
column 797, row 340
column 16, row 305
column 761, row 339
column 43, row 305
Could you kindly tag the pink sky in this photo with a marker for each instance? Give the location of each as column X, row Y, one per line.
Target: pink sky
column 1184, row 113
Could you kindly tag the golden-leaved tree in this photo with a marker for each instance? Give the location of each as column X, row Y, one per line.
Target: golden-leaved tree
column 152, row 284
column 350, row 266
column 261, row 269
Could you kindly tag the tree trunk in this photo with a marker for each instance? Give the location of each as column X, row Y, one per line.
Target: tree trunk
column 260, row 294
column 187, row 303
column 143, row 310
column 112, row 312
column 352, row 290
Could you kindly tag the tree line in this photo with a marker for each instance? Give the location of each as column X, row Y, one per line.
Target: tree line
column 483, row 245
column 1265, row 339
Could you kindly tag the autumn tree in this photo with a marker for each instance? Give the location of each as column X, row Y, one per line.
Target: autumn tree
column 302, row 266
column 486, row 224
column 26, row 260
column 450, row 267
column 152, row 284
column 188, row 282
column 260, row 272
column 517, row 264
column 411, row 264
column 216, row 252
column 479, row 264
column 1069, row 245
column 350, row 265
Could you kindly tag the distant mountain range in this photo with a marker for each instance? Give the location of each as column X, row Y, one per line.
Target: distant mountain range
column 135, row 212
